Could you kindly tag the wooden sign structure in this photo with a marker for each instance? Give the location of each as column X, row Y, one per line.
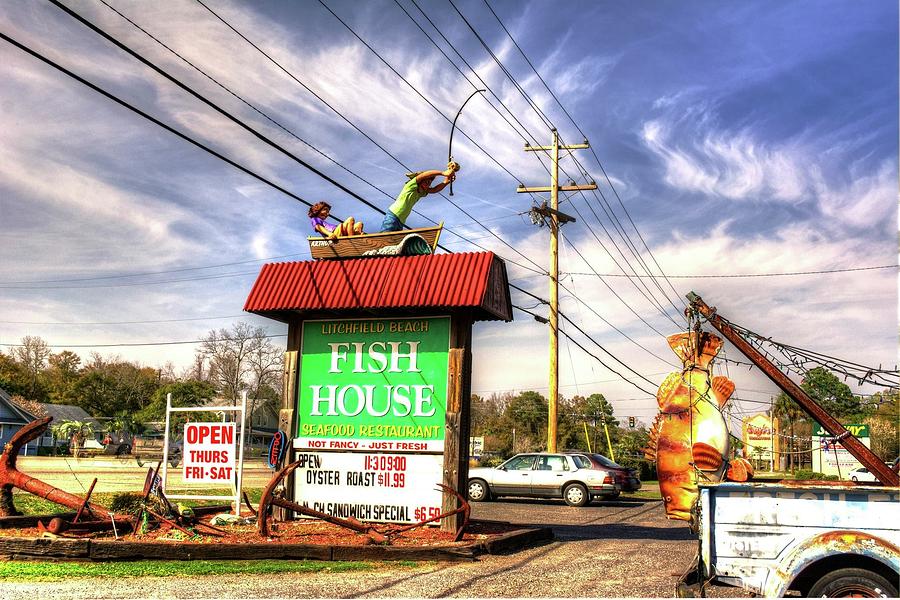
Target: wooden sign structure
column 386, row 344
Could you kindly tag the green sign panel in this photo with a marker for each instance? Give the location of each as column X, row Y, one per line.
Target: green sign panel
column 373, row 384
column 857, row 429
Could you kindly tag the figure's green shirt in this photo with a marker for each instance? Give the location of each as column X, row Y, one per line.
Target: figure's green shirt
column 408, row 197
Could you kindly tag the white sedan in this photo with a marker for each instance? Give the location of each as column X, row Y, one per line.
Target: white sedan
column 543, row 475
column 862, row 474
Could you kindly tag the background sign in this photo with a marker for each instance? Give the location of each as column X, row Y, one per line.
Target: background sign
column 760, row 437
column 370, row 486
column 209, row 452
column 373, row 384
column 831, row 458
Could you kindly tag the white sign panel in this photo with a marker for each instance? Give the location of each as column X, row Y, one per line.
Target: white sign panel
column 369, row 445
column 209, row 452
column 397, row 488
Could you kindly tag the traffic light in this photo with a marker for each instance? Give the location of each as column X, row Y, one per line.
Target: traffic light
column 631, row 422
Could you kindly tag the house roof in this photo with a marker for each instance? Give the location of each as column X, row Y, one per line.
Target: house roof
column 66, row 412
column 15, row 408
column 386, row 286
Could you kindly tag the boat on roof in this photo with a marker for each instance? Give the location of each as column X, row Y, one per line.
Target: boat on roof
column 408, row 242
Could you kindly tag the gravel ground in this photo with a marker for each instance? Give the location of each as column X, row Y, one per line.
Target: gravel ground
column 615, row 549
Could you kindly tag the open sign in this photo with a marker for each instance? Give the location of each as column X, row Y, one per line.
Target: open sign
column 209, row 452
column 276, row 449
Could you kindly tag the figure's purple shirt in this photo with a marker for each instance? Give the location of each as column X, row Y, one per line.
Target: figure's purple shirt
column 319, row 221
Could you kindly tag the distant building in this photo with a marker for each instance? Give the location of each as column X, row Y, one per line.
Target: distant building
column 14, row 414
column 12, row 419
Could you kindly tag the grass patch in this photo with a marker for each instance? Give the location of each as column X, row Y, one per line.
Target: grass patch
column 43, row 571
column 649, row 491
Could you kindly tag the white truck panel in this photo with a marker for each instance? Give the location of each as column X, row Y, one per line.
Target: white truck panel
column 760, row 536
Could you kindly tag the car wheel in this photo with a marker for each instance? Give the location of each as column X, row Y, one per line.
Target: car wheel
column 612, row 496
column 853, row 477
column 576, row 494
column 853, row 583
column 479, row 491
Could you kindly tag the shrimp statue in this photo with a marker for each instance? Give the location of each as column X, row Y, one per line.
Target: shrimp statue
column 689, row 438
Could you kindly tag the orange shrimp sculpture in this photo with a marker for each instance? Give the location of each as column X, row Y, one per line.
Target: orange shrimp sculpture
column 689, row 438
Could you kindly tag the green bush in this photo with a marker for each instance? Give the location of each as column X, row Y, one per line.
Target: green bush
column 810, row 475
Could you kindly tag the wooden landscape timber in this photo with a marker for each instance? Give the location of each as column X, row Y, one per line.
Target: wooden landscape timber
column 369, row 244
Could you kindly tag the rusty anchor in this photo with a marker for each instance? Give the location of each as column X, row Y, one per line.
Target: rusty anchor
column 11, row 477
column 378, row 534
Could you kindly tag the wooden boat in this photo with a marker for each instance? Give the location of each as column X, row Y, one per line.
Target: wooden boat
column 391, row 243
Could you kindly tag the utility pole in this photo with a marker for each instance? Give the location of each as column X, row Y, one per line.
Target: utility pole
column 552, row 215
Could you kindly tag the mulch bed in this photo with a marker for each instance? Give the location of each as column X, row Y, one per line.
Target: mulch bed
column 293, row 532
column 306, row 538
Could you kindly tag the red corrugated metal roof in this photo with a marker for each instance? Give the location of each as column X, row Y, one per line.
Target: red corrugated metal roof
column 441, row 281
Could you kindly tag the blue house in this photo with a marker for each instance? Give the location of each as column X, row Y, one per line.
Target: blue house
column 15, row 414
column 12, row 418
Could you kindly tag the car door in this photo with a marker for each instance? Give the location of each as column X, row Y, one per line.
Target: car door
column 549, row 475
column 514, row 476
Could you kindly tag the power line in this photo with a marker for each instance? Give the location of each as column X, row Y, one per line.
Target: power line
column 229, row 116
column 144, row 273
column 81, row 323
column 128, row 345
column 546, row 120
column 609, row 287
column 213, row 105
column 420, row 94
column 589, row 353
column 740, row 275
column 593, row 152
column 150, row 118
column 599, row 316
column 167, row 127
column 126, row 284
column 96, row 88
column 310, row 90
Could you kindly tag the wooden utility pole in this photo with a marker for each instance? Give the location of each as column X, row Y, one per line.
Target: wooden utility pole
column 552, row 215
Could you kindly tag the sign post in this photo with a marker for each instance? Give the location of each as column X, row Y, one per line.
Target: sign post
column 209, row 451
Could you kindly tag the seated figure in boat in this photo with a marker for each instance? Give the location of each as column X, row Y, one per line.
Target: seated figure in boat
column 418, row 186
column 319, row 211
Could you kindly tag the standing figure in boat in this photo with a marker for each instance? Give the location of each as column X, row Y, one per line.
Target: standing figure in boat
column 319, row 211
column 418, row 186
column 689, row 439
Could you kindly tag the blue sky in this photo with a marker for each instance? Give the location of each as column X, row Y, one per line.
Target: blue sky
column 742, row 138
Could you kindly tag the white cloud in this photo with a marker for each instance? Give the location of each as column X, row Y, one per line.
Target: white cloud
column 730, row 165
column 868, row 200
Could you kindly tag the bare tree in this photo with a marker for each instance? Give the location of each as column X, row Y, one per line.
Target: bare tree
column 242, row 358
column 32, row 354
column 231, row 354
